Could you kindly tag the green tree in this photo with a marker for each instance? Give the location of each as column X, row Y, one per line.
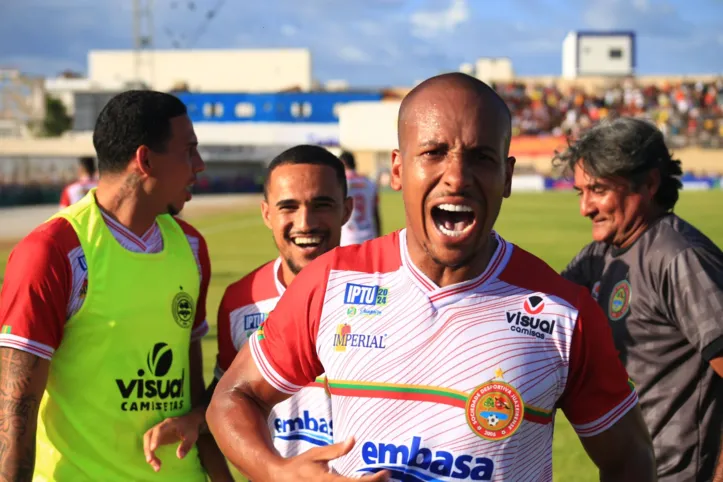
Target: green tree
column 56, row 119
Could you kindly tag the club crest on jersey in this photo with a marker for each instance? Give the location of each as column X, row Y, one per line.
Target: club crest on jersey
column 525, row 321
column 183, row 309
column 414, row 463
column 495, row 409
column 344, row 338
column 357, row 294
column 619, row 304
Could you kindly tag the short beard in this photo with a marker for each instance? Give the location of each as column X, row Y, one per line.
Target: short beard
column 293, row 266
column 465, row 262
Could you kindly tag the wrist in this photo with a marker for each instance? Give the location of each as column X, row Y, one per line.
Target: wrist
column 199, row 417
column 276, row 467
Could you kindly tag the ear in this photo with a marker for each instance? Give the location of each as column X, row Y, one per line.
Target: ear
column 348, row 209
column 509, row 171
column 266, row 213
column 396, row 180
column 141, row 160
column 652, row 183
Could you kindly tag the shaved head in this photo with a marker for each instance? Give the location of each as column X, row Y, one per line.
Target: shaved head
column 453, row 90
column 453, row 168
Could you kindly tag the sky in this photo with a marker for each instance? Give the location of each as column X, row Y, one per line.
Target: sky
column 369, row 43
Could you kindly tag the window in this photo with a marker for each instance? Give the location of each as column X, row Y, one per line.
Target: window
column 616, row 53
column 306, row 109
column 218, row 109
column 245, row 109
column 295, row 109
column 207, row 109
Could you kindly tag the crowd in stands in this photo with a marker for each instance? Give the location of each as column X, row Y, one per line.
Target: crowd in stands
column 689, row 114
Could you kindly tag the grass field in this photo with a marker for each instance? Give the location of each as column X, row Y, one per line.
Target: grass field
column 546, row 224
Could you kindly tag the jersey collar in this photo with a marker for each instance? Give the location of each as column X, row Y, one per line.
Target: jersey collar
column 278, row 275
column 449, row 294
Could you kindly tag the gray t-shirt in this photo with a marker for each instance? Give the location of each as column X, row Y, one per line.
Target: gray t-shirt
column 664, row 299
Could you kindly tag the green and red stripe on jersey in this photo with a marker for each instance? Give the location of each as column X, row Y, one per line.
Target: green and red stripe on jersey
column 421, row 393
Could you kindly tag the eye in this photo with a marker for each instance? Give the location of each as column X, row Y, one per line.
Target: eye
column 433, row 153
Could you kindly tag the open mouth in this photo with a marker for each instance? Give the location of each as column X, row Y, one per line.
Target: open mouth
column 453, row 219
column 308, row 242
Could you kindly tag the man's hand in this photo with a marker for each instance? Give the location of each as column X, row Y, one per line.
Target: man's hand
column 185, row 429
column 313, row 465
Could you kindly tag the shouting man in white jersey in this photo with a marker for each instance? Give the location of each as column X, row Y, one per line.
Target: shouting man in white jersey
column 365, row 223
column 447, row 349
column 305, row 204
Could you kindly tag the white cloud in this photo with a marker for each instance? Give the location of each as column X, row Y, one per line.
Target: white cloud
column 430, row 24
column 353, row 54
column 288, row 30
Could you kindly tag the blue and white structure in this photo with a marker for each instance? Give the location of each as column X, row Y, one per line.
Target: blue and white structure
column 599, row 53
column 269, row 119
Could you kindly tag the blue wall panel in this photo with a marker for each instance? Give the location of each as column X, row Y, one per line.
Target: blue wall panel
column 293, row 107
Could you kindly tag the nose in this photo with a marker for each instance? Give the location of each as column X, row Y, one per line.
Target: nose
column 457, row 176
column 305, row 219
column 198, row 164
column 587, row 206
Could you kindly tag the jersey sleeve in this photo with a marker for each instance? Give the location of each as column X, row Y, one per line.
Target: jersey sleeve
column 693, row 290
column 598, row 390
column 203, row 261
column 226, row 349
column 200, row 324
column 34, row 296
column 64, row 198
column 580, row 269
column 284, row 347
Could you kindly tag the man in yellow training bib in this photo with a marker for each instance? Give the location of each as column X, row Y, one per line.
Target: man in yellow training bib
column 102, row 312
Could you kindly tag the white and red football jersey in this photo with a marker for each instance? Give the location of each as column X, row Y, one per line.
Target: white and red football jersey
column 460, row 382
column 46, row 281
column 74, row 192
column 362, row 223
column 302, row 421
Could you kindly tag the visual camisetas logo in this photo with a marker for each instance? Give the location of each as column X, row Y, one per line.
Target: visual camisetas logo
column 152, row 389
column 526, row 320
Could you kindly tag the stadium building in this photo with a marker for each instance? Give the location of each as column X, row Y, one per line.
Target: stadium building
column 248, row 105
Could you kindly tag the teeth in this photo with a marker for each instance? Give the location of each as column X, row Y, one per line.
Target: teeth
column 455, row 208
column 307, row 240
column 454, row 232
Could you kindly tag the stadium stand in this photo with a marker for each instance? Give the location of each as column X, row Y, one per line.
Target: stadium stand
column 688, row 113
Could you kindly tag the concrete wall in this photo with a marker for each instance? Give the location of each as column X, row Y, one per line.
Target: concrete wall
column 231, row 70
